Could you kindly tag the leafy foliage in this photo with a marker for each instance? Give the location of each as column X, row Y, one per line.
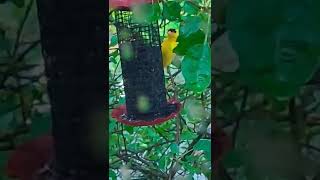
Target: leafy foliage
column 266, row 105
column 281, row 43
column 154, row 152
column 24, row 106
column 181, row 146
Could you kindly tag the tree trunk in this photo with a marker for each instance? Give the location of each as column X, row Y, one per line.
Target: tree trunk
column 73, row 36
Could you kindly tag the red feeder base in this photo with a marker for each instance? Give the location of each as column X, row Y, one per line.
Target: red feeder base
column 29, row 157
column 120, row 112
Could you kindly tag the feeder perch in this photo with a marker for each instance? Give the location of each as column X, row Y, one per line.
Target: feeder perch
column 142, row 71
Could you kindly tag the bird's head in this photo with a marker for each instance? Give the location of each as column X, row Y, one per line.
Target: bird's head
column 172, row 33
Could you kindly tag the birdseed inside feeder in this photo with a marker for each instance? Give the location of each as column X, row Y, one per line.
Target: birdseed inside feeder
column 142, row 71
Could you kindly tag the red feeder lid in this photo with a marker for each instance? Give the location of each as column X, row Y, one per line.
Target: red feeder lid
column 30, row 157
column 129, row 3
column 121, row 110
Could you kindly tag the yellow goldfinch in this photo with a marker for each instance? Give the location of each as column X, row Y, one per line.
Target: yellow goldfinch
column 167, row 47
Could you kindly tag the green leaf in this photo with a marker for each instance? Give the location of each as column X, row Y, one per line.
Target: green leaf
column 146, row 13
column 174, row 148
column 187, row 135
column 143, row 145
column 112, row 125
column 186, row 42
column 195, row 79
column 191, row 25
column 267, row 13
column 112, row 59
column 150, row 132
column 129, row 129
column 194, row 110
column 114, row 40
column 205, row 146
column 272, row 73
column 196, row 68
column 284, row 54
column 171, row 10
column 112, row 175
column 162, row 162
column 190, row 168
column 114, row 54
column 199, row 52
column 122, row 100
column 190, row 8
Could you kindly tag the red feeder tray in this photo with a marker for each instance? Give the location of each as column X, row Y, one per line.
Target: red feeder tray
column 30, row 157
column 120, row 112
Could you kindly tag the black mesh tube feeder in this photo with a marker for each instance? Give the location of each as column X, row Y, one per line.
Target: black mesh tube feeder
column 142, row 71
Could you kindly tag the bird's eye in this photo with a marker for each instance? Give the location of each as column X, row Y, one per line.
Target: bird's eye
column 172, row 30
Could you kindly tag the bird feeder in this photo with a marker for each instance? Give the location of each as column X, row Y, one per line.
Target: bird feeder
column 142, row 70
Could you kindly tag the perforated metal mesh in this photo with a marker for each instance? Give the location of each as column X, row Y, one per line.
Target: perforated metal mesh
column 142, row 69
column 128, row 30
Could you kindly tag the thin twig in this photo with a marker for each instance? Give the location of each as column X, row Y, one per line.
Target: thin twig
column 7, row 73
column 242, row 112
column 20, row 29
column 124, row 139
